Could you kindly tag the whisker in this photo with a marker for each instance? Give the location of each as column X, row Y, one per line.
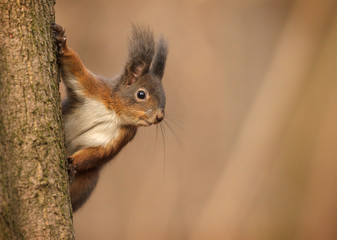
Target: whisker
column 172, row 116
column 178, row 139
column 156, row 143
column 164, row 147
column 176, row 122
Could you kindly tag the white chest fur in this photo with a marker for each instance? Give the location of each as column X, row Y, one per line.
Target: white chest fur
column 90, row 125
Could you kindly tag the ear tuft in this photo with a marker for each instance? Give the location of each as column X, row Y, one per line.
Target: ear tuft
column 141, row 51
column 159, row 61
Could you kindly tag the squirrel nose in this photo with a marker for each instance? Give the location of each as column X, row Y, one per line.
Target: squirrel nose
column 160, row 116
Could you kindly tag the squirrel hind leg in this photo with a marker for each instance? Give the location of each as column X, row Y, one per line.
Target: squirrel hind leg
column 82, row 187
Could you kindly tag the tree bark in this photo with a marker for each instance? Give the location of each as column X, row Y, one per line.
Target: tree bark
column 34, row 191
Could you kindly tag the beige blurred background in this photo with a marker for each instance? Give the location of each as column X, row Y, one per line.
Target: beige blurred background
column 252, row 99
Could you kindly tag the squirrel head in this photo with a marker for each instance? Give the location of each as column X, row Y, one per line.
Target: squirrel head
column 138, row 96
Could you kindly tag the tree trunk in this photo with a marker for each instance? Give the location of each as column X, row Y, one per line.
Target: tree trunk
column 34, row 194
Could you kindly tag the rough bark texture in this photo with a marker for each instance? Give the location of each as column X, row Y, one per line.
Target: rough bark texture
column 34, row 194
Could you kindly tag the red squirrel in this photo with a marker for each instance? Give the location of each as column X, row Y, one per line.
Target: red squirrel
column 102, row 115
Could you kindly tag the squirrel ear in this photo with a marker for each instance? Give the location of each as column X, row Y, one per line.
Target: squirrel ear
column 135, row 70
column 138, row 69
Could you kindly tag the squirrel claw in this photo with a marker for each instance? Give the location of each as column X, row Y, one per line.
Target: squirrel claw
column 60, row 37
column 57, row 27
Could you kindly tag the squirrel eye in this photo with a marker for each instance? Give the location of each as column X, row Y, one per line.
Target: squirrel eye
column 141, row 94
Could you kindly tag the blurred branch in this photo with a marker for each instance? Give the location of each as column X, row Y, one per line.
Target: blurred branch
column 319, row 208
column 231, row 206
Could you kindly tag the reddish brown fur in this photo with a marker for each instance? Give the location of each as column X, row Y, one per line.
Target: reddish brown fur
column 92, row 86
column 82, row 187
column 88, row 161
column 88, row 158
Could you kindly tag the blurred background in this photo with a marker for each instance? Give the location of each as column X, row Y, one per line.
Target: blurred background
column 249, row 147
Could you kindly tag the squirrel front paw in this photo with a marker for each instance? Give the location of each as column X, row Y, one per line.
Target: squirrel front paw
column 60, row 38
column 71, row 169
